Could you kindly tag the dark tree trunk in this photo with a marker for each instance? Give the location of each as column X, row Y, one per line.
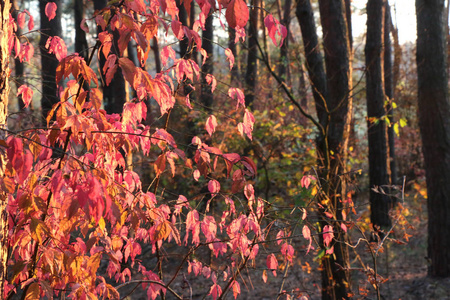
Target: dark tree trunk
column 252, row 62
column 377, row 129
column 207, row 67
column 389, row 90
column 81, row 45
column 397, row 58
column 336, row 281
column 333, row 104
column 18, row 65
column 155, row 48
column 434, row 122
column 114, row 94
column 314, row 59
column 235, row 71
column 184, row 43
column 5, row 7
column 49, row 62
column 283, row 67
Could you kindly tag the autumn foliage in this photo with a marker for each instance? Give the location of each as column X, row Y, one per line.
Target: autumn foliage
column 78, row 217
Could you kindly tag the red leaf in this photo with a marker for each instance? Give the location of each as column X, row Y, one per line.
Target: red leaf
column 307, row 235
column 50, row 10
column 275, row 29
column 230, row 57
column 27, row 94
column 166, row 53
column 213, row 186
column 236, row 289
column 210, row 79
column 211, row 124
column 328, row 235
column 215, row 291
column 272, row 263
column 237, row 94
column 30, row 22
column 57, row 46
column 128, row 69
column 21, row 19
column 237, row 13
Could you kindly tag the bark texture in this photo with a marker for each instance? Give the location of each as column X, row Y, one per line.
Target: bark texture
column 377, row 130
column 207, row 67
column 114, row 94
column 252, row 62
column 6, row 29
column 434, row 122
column 49, row 62
column 333, row 103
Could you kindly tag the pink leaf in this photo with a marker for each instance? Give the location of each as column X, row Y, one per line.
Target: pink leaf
column 84, row 26
column 237, row 13
column 328, row 235
column 27, row 94
column 30, row 22
column 57, row 46
column 215, row 291
column 275, row 28
column 50, row 10
column 211, row 124
column 306, row 181
column 213, row 186
column 166, row 53
column 236, row 289
column 210, row 79
column 230, row 57
column 307, row 235
column 196, row 175
column 272, row 264
column 344, row 227
column 21, row 19
column 237, row 94
column 288, row 251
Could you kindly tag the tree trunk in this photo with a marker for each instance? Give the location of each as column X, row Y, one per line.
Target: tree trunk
column 235, row 71
column 333, row 104
column 49, row 62
column 377, row 129
column 207, row 67
column 434, row 122
column 5, row 7
column 252, row 62
column 114, row 94
column 18, row 65
column 389, row 90
column 81, row 45
column 283, row 67
column 314, row 59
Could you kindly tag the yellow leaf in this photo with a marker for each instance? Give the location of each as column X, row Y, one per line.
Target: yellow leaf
column 162, row 231
column 33, row 292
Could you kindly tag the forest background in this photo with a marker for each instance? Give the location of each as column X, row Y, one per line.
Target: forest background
column 200, row 149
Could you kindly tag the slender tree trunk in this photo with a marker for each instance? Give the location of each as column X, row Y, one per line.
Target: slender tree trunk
column 114, row 94
column 434, row 122
column 18, row 65
column 49, row 62
column 155, row 48
column 235, row 71
column 337, row 61
column 389, row 90
column 252, row 62
column 6, row 29
column 81, row 45
column 314, row 59
column 207, row 67
column 283, row 67
column 397, row 58
column 377, row 129
column 333, row 103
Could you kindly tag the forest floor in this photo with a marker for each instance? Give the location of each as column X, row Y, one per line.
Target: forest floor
column 403, row 264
